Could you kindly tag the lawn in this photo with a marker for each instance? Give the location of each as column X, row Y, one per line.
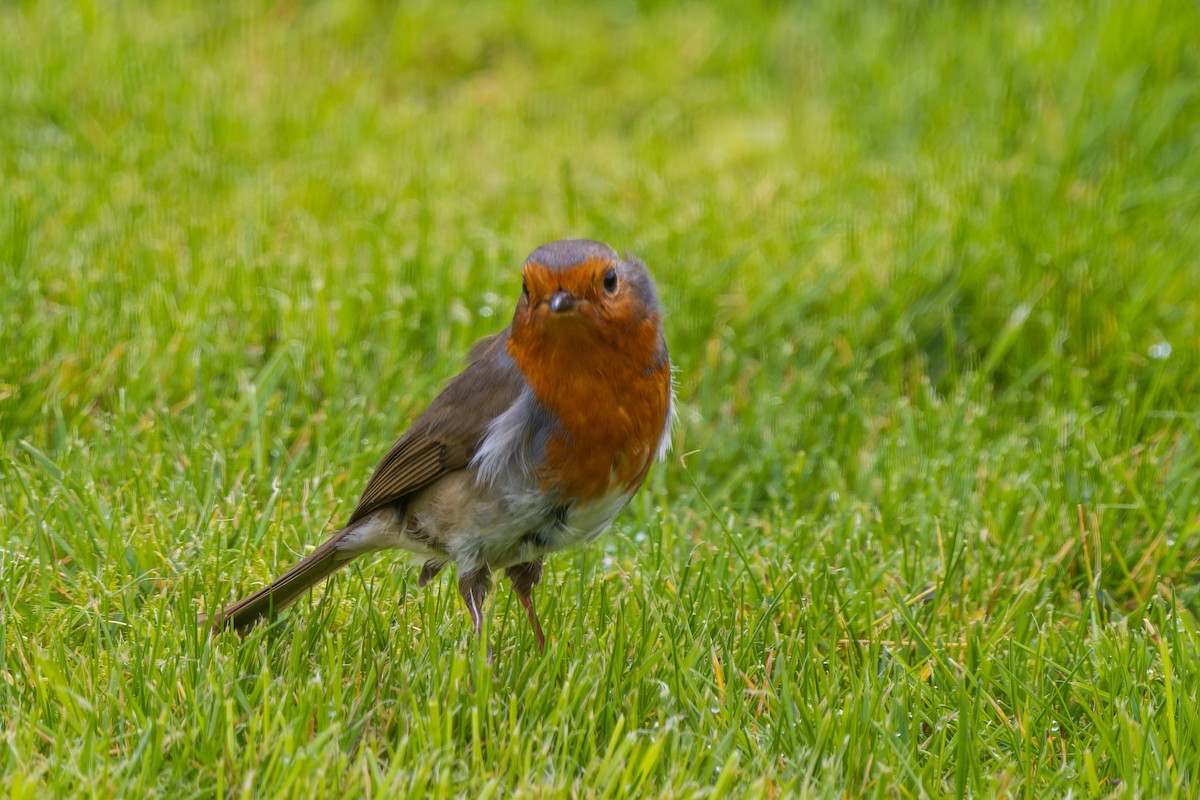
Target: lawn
column 931, row 274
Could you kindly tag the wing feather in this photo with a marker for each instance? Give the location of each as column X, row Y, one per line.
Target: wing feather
column 446, row 437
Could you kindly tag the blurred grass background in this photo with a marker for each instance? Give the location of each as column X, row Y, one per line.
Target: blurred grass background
column 930, row 271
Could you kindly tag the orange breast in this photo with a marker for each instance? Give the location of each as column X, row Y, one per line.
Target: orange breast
column 611, row 395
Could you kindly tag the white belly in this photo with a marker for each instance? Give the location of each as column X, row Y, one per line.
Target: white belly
column 476, row 524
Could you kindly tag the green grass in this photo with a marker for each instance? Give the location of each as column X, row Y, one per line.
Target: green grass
column 932, row 525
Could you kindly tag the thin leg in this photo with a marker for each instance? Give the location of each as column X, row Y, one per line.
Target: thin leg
column 474, row 588
column 428, row 570
column 523, row 578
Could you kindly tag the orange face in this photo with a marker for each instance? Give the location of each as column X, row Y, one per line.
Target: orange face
column 582, row 298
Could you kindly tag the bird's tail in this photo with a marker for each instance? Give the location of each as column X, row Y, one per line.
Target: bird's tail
column 315, row 567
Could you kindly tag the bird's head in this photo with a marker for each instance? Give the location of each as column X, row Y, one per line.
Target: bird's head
column 578, row 292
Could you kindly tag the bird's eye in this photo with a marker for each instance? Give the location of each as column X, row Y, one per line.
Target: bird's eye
column 610, row 281
column 524, row 289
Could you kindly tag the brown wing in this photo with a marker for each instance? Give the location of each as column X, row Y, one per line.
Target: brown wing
column 445, row 438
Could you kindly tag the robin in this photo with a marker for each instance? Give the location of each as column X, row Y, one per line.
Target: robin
column 535, row 446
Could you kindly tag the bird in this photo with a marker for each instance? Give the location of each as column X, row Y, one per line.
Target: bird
column 537, row 445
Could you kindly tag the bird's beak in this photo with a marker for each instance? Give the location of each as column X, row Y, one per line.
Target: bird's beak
column 562, row 302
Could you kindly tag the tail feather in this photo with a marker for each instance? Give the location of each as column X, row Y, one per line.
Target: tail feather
column 286, row 589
